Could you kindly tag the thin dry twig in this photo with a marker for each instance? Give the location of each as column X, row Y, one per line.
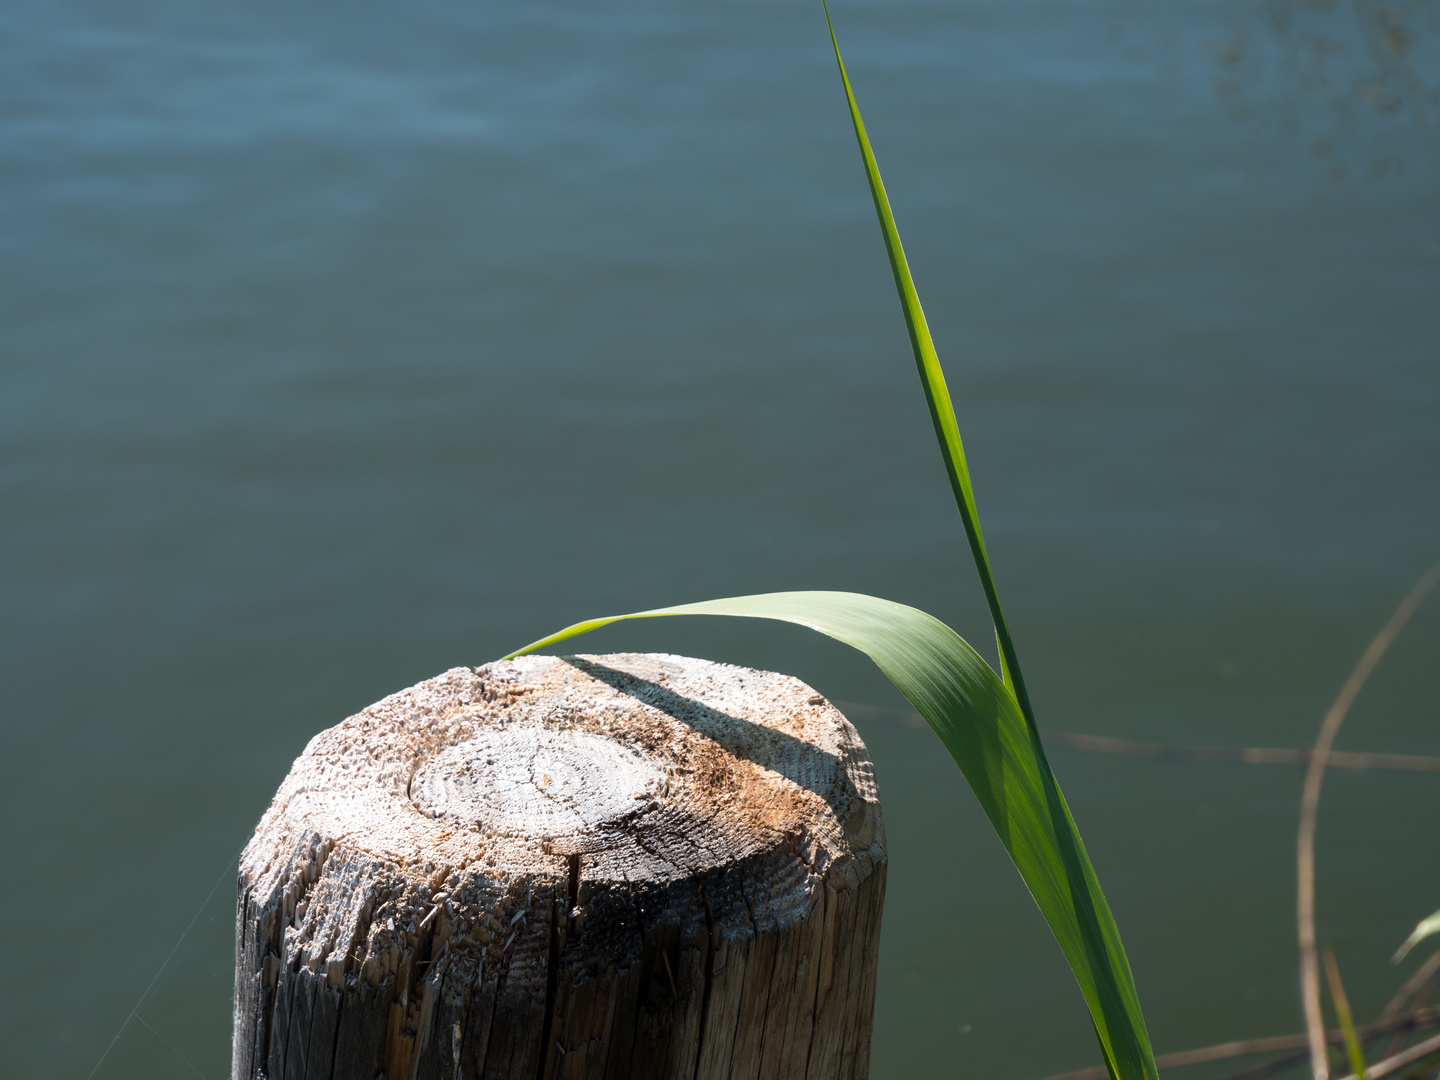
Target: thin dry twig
column 1397, row 1043
column 1280, row 1064
column 1420, row 1020
column 1309, row 805
column 1413, row 995
column 1269, row 1068
column 1418, row 1052
column 1104, row 744
column 1250, row 755
column 1417, row 984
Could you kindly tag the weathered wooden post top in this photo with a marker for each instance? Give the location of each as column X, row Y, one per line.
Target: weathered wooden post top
column 634, row 865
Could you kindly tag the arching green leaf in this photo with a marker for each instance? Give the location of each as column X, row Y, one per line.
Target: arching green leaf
column 999, row 752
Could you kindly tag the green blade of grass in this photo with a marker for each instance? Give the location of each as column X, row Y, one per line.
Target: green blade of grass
column 937, row 395
column 999, row 752
column 1353, row 1049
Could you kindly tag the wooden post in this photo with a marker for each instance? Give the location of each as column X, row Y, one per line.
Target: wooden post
column 634, row 867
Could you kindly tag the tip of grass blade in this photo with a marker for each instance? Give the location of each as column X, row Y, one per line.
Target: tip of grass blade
column 937, row 394
column 1423, row 929
column 1353, row 1049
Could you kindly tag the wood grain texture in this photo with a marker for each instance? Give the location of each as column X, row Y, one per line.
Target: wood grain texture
column 611, row 867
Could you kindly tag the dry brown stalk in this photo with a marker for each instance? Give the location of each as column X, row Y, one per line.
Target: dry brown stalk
column 1250, row 755
column 1419, row 1020
column 1310, row 804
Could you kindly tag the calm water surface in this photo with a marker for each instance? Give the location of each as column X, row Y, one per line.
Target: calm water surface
column 342, row 344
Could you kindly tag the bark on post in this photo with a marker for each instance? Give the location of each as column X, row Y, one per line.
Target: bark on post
column 627, row 866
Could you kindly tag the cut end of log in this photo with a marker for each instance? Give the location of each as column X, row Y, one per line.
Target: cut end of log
column 634, row 865
column 576, row 789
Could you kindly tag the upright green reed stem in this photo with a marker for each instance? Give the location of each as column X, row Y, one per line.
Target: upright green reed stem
column 937, row 396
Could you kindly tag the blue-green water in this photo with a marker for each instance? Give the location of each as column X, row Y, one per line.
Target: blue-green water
column 341, row 344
